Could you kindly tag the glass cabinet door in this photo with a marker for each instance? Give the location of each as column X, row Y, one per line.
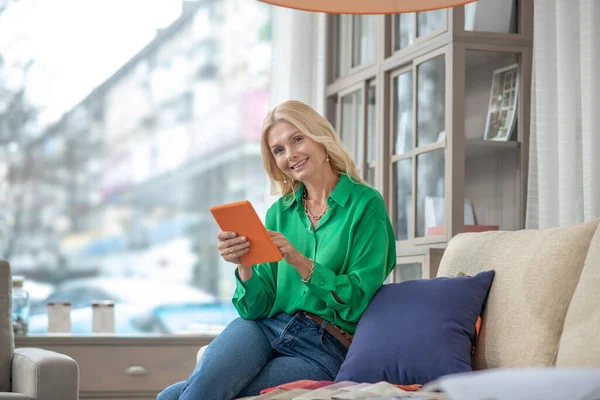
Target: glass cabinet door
column 355, row 43
column 430, row 193
column 430, row 21
column 403, row 199
column 408, row 272
column 418, row 133
column 357, row 126
column 363, row 39
column 492, row 16
column 402, row 159
column 407, row 268
column 371, row 134
column 430, row 164
column 409, row 26
column 431, row 101
column 417, row 266
column 404, row 30
column 351, row 124
column 343, row 48
column 403, row 112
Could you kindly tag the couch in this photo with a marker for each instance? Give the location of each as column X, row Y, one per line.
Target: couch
column 29, row 373
column 543, row 308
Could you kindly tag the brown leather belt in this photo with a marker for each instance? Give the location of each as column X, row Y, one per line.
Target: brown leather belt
column 341, row 335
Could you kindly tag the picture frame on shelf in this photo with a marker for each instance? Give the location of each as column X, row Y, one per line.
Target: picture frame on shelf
column 502, row 110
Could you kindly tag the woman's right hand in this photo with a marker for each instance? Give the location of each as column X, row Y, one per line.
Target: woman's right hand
column 232, row 247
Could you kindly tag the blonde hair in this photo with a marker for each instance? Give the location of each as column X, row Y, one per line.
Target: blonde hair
column 314, row 126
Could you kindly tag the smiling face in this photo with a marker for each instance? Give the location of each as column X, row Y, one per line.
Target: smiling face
column 296, row 155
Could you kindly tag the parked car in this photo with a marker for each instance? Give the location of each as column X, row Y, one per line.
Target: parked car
column 141, row 307
column 187, row 318
column 81, row 292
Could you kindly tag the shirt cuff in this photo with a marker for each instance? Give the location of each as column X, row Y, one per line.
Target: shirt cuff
column 252, row 285
column 322, row 278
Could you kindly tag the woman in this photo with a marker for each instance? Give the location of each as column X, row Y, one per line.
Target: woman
column 338, row 246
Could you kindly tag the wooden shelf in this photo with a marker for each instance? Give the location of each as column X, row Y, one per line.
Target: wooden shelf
column 482, row 148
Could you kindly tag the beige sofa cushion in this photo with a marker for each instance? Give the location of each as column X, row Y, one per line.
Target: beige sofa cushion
column 580, row 341
column 536, row 274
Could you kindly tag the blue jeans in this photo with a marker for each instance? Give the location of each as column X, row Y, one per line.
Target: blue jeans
column 249, row 356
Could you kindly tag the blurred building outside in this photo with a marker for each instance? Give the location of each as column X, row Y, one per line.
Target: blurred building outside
column 122, row 184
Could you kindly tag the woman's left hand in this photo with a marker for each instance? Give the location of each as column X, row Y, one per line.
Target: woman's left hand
column 289, row 252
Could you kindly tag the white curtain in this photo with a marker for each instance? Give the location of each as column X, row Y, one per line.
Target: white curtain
column 564, row 163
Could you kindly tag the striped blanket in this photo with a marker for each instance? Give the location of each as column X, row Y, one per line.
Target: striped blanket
column 326, row 390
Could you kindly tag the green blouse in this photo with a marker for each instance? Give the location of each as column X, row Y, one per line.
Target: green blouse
column 353, row 248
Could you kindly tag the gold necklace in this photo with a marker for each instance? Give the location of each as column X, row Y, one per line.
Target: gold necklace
column 307, row 211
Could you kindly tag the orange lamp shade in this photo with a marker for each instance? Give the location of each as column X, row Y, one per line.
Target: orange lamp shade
column 367, row 6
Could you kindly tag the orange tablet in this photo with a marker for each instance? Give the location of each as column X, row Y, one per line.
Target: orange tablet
column 241, row 218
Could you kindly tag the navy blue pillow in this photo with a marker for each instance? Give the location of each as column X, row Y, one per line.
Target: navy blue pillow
column 417, row 331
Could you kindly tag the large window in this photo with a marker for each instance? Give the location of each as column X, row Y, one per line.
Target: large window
column 114, row 147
